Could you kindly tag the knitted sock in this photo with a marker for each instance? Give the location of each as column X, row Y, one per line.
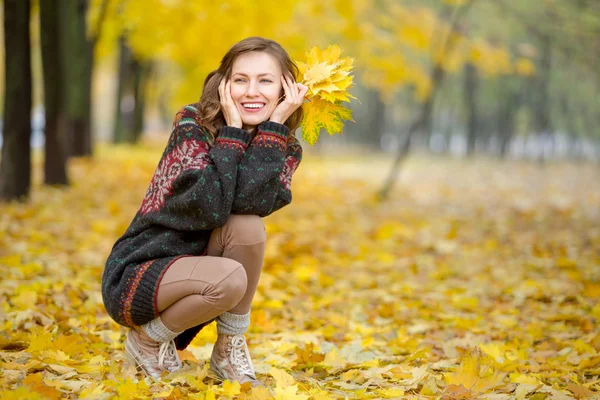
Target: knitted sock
column 233, row 324
column 158, row 331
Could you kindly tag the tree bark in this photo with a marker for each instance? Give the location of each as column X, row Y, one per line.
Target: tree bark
column 142, row 73
column 120, row 131
column 73, row 54
column 55, row 171
column 87, row 138
column 471, row 103
column 15, row 166
column 376, row 126
column 506, row 121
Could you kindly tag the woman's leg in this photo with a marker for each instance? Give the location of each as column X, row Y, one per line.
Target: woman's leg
column 197, row 289
column 243, row 239
column 193, row 290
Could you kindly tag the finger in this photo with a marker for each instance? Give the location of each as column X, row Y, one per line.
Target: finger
column 286, row 89
column 297, row 92
column 221, row 91
column 303, row 91
column 293, row 90
column 228, row 93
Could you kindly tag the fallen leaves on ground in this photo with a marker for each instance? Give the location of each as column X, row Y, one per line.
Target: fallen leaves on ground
column 474, row 280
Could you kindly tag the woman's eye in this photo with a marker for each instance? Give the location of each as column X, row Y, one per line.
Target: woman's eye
column 266, row 80
column 239, row 80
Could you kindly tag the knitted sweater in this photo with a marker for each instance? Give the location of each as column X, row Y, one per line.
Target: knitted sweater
column 195, row 188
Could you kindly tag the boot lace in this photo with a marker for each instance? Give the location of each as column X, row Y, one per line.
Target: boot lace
column 167, row 355
column 239, row 356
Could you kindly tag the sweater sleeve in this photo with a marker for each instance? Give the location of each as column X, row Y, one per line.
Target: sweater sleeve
column 194, row 184
column 265, row 172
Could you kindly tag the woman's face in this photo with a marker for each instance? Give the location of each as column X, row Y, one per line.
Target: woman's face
column 255, row 86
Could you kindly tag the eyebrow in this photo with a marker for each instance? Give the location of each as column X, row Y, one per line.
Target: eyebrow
column 241, row 73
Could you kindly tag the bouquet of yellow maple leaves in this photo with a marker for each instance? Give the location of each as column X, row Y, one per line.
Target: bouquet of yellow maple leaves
column 328, row 79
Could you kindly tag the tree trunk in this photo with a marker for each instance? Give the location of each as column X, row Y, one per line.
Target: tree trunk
column 15, row 165
column 471, row 103
column 73, row 54
column 55, row 171
column 376, row 127
column 85, row 146
column 87, row 141
column 423, row 121
column 120, row 131
column 506, row 122
column 543, row 122
column 142, row 73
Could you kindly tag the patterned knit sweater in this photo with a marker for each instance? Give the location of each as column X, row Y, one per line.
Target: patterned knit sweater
column 195, row 188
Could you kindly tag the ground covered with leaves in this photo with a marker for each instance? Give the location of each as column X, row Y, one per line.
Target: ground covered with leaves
column 473, row 280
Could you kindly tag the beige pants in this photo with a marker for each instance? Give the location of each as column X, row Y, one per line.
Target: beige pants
column 194, row 290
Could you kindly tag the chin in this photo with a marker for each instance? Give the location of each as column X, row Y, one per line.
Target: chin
column 253, row 121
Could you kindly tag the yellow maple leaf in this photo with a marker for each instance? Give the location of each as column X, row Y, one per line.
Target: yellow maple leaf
column 92, row 391
column 73, row 345
column 333, row 359
column 36, row 384
column 260, row 393
column 282, row 378
column 230, row 389
column 25, row 299
column 40, row 342
column 474, row 375
column 322, row 114
column 336, row 96
column 289, row 393
column 210, row 395
column 21, row 393
column 328, row 79
column 128, row 389
column 318, row 73
column 389, row 393
column 325, row 86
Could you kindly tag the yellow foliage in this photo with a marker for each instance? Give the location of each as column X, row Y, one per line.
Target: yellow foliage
column 328, row 79
column 333, row 359
column 289, row 393
column 474, row 374
column 355, row 299
column 282, row 378
column 320, row 114
column 230, row 389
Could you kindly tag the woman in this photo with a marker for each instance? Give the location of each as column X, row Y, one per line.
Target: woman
column 194, row 250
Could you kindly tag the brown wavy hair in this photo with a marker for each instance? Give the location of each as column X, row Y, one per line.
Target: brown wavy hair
column 211, row 116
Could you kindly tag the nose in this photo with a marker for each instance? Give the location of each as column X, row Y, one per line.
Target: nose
column 252, row 89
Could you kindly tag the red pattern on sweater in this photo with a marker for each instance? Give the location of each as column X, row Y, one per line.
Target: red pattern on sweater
column 188, row 155
column 133, row 284
column 291, row 163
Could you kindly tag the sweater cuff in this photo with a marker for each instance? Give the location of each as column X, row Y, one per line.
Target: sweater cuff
column 233, row 135
column 273, row 128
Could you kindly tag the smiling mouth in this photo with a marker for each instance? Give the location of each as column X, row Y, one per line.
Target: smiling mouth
column 253, row 106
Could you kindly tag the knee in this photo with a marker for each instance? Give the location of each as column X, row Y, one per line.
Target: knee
column 232, row 288
column 246, row 229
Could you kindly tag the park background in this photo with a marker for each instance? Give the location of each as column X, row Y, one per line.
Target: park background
column 445, row 245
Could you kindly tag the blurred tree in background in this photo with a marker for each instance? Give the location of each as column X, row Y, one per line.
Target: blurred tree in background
column 15, row 165
column 500, row 77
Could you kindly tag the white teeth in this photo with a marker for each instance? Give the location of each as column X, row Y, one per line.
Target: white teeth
column 253, row 105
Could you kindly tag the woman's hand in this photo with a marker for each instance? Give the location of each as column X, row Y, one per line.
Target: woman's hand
column 294, row 97
column 230, row 112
